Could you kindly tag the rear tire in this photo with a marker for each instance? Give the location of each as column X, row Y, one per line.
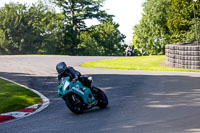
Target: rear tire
column 75, row 103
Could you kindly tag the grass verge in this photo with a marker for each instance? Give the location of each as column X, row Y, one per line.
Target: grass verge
column 151, row 63
column 14, row 97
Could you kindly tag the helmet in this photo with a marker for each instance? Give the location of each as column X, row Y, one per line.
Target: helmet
column 61, row 67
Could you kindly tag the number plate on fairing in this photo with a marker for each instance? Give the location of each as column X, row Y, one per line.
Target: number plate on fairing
column 66, row 85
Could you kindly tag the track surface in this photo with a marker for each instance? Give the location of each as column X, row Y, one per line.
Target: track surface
column 139, row 101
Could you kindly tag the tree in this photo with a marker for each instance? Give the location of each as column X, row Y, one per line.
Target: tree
column 76, row 12
column 152, row 33
column 51, row 34
column 88, row 45
column 102, row 39
column 181, row 20
column 11, row 18
column 30, row 30
column 39, row 29
column 2, row 42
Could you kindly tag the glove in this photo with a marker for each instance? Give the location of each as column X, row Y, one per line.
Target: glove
column 74, row 80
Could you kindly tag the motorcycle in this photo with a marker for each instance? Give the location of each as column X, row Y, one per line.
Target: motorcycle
column 128, row 52
column 79, row 98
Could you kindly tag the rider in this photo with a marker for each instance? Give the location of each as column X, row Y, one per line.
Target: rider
column 67, row 71
column 128, row 49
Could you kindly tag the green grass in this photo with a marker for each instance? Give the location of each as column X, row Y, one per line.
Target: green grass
column 14, row 97
column 151, row 63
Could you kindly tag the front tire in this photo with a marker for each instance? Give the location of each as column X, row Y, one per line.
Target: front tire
column 75, row 103
column 102, row 98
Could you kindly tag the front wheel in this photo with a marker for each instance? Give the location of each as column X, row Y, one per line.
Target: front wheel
column 102, row 98
column 75, row 103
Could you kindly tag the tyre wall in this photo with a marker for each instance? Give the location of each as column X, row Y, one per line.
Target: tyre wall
column 185, row 56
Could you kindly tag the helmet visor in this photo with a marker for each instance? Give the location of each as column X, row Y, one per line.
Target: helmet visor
column 60, row 71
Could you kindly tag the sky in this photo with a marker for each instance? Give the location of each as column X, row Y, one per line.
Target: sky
column 127, row 13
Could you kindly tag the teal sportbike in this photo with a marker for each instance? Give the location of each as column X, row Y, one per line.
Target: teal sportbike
column 79, row 98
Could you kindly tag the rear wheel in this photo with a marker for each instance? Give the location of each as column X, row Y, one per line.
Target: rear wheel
column 102, row 98
column 75, row 103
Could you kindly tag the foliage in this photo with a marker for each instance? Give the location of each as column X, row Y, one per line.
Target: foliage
column 11, row 20
column 152, row 33
column 166, row 22
column 109, row 37
column 2, row 42
column 88, row 45
column 38, row 29
column 102, row 39
column 27, row 30
column 181, row 20
column 76, row 12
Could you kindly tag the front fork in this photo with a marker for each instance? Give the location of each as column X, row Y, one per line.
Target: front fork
column 95, row 94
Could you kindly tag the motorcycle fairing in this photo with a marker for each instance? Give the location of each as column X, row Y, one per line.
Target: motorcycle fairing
column 67, row 87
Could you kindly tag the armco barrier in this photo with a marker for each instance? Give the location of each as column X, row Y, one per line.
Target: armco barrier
column 183, row 55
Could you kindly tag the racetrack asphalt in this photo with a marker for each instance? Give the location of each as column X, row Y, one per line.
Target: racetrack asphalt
column 139, row 101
